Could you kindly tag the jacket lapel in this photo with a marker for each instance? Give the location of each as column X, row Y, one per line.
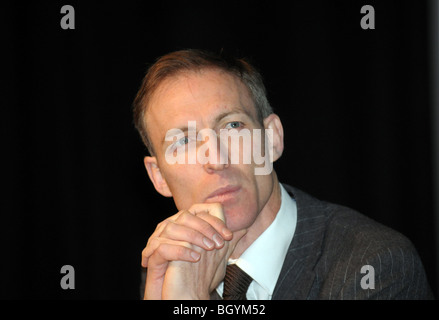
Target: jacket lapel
column 297, row 274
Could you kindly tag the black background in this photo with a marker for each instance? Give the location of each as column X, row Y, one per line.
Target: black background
column 355, row 106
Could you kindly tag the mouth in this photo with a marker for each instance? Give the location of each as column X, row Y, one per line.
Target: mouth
column 224, row 194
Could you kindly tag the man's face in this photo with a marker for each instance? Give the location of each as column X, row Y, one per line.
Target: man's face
column 215, row 100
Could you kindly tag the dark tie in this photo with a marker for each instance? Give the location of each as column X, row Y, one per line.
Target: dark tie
column 236, row 283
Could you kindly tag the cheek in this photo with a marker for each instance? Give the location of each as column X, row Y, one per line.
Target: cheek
column 183, row 184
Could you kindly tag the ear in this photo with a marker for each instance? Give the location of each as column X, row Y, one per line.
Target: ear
column 273, row 122
column 156, row 177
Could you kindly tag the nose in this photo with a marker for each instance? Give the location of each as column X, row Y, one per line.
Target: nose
column 217, row 155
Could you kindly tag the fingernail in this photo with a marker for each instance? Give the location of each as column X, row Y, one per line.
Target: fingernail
column 208, row 243
column 195, row 255
column 218, row 240
column 227, row 232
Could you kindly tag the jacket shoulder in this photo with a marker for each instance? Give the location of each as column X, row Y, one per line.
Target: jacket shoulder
column 353, row 244
column 363, row 259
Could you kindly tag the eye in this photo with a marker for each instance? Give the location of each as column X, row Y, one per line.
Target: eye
column 181, row 142
column 234, row 125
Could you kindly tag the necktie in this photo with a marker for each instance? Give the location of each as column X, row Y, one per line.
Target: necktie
column 236, row 283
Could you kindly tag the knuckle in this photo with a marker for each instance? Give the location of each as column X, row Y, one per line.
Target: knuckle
column 207, row 229
column 181, row 251
column 184, row 216
column 170, row 227
column 152, row 243
column 162, row 249
column 161, row 224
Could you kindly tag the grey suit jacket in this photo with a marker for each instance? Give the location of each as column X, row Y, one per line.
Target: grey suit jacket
column 330, row 246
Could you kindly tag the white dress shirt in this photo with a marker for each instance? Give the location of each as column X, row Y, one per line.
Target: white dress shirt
column 264, row 258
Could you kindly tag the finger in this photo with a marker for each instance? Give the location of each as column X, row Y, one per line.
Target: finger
column 151, row 245
column 209, row 221
column 162, row 225
column 218, row 224
column 199, row 223
column 185, row 227
column 159, row 229
column 169, row 250
column 215, row 209
column 181, row 232
column 213, row 213
column 179, row 250
column 158, row 265
column 227, row 252
column 149, row 249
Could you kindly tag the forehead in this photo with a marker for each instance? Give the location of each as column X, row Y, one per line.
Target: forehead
column 206, row 85
column 198, row 96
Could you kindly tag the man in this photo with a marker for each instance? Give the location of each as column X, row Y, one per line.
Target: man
column 239, row 233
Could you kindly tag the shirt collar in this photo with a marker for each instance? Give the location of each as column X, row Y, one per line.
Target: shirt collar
column 264, row 258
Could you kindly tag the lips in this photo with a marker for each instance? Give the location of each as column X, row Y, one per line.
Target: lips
column 224, row 194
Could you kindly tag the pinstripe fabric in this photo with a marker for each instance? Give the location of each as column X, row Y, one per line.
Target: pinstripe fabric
column 331, row 245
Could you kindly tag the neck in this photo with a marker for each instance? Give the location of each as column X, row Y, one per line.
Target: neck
column 262, row 222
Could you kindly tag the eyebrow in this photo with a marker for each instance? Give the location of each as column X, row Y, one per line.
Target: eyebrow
column 223, row 115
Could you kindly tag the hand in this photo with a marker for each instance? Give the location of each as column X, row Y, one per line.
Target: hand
column 177, row 239
column 202, row 225
column 195, row 281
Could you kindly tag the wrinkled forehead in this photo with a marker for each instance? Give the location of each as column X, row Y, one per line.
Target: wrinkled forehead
column 189, row 96
column 182, row 88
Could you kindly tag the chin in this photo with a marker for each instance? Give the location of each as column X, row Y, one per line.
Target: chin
column 239, row 218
